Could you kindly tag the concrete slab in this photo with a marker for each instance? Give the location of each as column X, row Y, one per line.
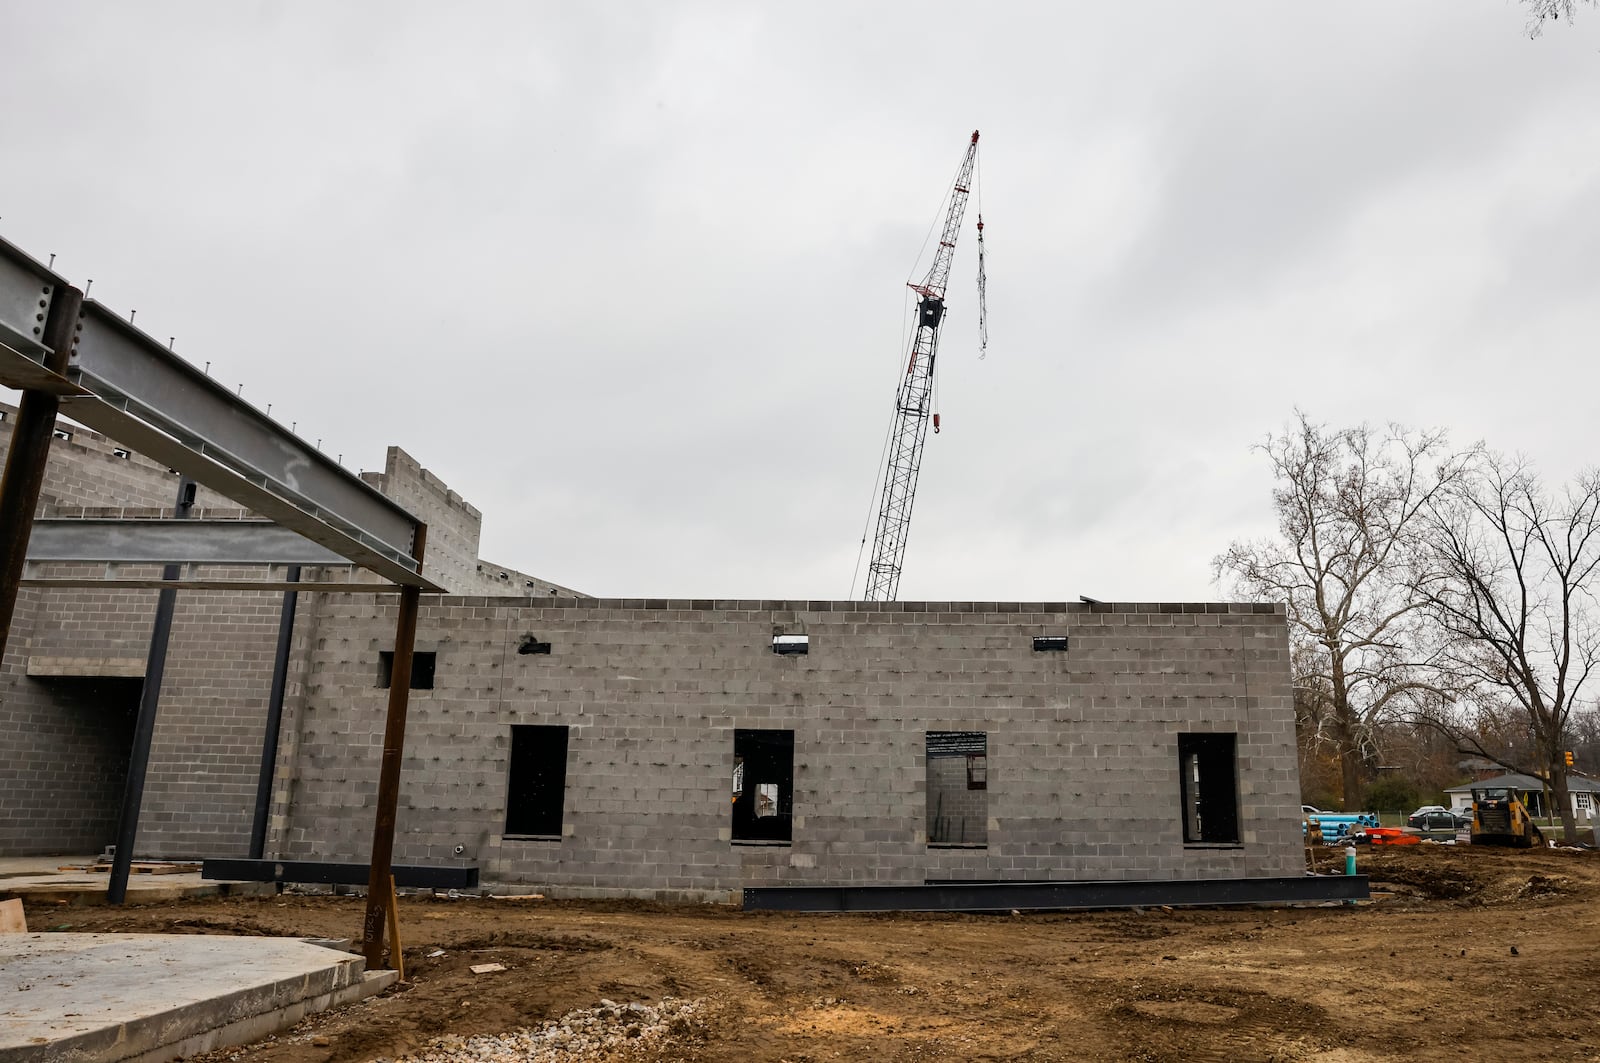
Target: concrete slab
column 38, row 880
column 147, row 998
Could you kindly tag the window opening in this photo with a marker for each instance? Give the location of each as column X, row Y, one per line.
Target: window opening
column 1209, row 787
column 1049, row 643
column 957, row 765
column 791, row 644
column 422, row 667
column 763, row 785
column 536, row 786
column 61, row 434
column 118, row 452
column 531, row 644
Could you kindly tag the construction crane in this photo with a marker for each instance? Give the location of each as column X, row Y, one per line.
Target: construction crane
column 914, row 396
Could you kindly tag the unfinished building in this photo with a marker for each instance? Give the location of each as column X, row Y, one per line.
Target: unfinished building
column 666, row 748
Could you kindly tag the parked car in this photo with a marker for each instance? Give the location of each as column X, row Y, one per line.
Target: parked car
column 1426, row 809
column 1436, row 819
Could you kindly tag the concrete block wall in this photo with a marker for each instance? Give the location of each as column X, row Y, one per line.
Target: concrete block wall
column 205, row 754
column 1082, row 759
column 454, row 529
column 63, row 756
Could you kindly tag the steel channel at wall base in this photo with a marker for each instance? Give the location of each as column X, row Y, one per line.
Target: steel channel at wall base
column 1058, row 896
column 326, row 873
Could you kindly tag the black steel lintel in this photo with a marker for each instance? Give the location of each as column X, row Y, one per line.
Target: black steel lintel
column 1057, row 896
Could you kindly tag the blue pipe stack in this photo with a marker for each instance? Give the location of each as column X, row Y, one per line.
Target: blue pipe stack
column 1337, row 826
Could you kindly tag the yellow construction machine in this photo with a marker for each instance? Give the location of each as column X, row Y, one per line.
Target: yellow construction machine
column 1500, row 817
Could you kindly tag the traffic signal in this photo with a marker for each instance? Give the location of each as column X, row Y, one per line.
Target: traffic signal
column 1568, row 756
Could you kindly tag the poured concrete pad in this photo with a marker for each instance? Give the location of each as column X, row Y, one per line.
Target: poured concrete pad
column 152, row 997
column 39, row 880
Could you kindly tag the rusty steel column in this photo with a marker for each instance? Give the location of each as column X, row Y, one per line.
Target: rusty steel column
column 394, row 739
column 30, row 450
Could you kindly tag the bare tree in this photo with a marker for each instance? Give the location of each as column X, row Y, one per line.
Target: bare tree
column 1350, row 506
column 1515, row 573
column 1543, row 11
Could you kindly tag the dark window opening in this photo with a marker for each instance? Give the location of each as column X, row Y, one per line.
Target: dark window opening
column 763, row 785
column 1049, row 643
column 530, row 644
column 62, row 434
column 957, row 784
column 119, row 452
column 1209, row 786
column 537, row 785
column 422, row 665
column 791, row 644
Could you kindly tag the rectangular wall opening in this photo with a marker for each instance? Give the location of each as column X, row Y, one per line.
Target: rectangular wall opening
column 958, row 789
column 763, row 785
column 536, row 787
column 1209, row 785
column 789, row 645
column 422, row 665
column 1049, row 644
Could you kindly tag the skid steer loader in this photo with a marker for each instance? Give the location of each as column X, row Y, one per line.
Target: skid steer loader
column 1500, row 817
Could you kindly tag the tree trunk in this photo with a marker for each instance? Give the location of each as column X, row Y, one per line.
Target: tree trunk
column 1350, row 773
column 1348, row 733
column 1563, row 801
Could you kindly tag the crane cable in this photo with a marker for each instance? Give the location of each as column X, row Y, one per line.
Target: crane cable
column 983, row 279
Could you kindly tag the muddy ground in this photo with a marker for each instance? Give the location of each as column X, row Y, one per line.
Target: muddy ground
column 1464, row 954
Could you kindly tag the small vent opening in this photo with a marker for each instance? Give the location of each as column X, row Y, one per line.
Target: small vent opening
column 1049, row 643
column 790, row 645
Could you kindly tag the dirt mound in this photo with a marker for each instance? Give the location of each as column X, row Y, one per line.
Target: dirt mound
column 1487, row 952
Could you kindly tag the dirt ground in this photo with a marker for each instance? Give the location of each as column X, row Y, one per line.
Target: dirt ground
column 1465, row 953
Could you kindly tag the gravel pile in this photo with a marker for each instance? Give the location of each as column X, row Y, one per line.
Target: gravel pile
column 610, row 1031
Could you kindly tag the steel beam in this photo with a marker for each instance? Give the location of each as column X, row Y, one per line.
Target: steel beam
column 27, row 289
column 131, row 387
column 208, row 542
column 269, row 741
column 201, row 583
column 335, row 874
column 1057, row 896
column 144, row 726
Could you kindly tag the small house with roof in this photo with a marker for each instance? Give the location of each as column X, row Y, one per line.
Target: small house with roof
column 1583, row 791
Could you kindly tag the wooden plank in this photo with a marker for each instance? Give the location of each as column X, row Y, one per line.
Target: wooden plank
column 12, row 919
column 394, row 932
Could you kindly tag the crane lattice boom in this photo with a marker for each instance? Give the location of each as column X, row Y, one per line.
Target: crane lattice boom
column 913, row 400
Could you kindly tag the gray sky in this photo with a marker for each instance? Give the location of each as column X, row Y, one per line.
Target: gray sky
column 630, row 276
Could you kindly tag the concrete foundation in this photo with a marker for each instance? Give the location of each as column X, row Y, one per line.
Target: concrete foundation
column 100, row 998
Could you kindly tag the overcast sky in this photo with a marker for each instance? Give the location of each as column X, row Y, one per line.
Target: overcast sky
column 630, row 276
